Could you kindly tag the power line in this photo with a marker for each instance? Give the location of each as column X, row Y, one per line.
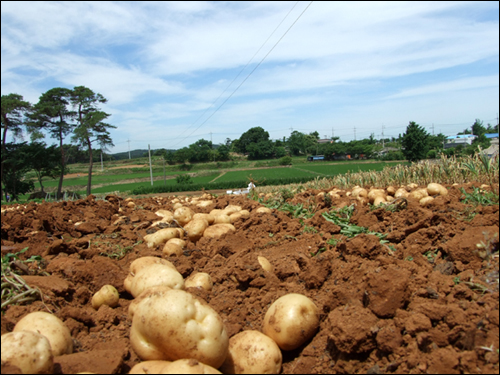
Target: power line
column 241, row 71
column 248, row 76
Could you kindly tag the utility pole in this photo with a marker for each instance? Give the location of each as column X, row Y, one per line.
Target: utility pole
column 128, row 140
column 432, row 128
column 383, row 140
column 150, row 167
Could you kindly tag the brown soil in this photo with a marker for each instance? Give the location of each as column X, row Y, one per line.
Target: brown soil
column 385, row 308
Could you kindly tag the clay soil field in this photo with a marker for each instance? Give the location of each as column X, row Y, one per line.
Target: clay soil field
column 423, row 300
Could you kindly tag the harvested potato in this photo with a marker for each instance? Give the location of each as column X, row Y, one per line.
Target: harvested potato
column 222, row 218
column 161, row 236
column 174, row 247
column 145, row 294
column 401, row 193
column 245, row 214
column 412, row 186
column 173, row 324
column 149, row 367
column 359, row 192
column 234, row 217
column 51, row 327
column 419, row 194
column 183, row 215
column 374, row 193
column 188, row 366
column 252, row 352
column 107, row 295
column 203, row 204
column 379, row 199
column 165, row 214
column 264, row 263
column 208, row 217
column 177, row 205
column 436, row 189
column 231, row 209
column 217, row 230
column 291, row 320
column 195, row 229
column 153, row 275
column 199, row 280
column 425, row 201
column 264, row 210
column 28, row 350
column 391, row 190
column 141, row 263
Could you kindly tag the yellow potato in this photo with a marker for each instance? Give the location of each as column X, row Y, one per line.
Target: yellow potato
column 107, row 295
column 28, row 350
column 359, row 192
column 401, row 193
column 161, row 236
column 199, row 280
column 208, row 217
column 374, row 193
column 174, row 247
column 291, row 320
column 183, row 215
column 145, row 294
column 141, row 263
column 379, row 199
column 172, row 324
column 203, row 204
column 149, row 367
column 252, row 352
column 51, row 327
column 264, row 210
column 231, row 209
column 217, row 230
column 234, row 217
column 195, row 229
column 188, row 366
column 419, row 194
column 436, row 189
column 425, row 201
column 153, row 275
column 222, row 219
column 265, row 264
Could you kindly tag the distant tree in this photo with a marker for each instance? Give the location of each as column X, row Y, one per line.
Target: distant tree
column 415, row 143
column 436, row 141
column 478, row 128
column 252, row 136
column 16, row 161
column 91, row 126
column 492, row 129
column 53, row 113
column 200, row 151
column 223, row 153
column 43, row 160
column 261, row 150
column 13, row 112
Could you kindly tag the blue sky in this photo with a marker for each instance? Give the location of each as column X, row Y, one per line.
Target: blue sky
column 177, row 72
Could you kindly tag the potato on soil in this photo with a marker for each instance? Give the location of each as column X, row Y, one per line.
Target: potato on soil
column 145, row 294
column 107, row 295
column 436, row 189
column 174, row 247
column 265, row 264
column 153, row 275
column 173, row 324
column 217, row 230
column 161, row 236
column 28, row 350
column 252, row 352
column 199, row 280
column 149, row 367
column 264, row 210
column 195, row 229
column 51, row 327
column 425, row 201
column 291, row 320
column 139, row 264
column 419, row 194
column 188, row 366
column 183, row 215
column 222, row 219
column 208, row 217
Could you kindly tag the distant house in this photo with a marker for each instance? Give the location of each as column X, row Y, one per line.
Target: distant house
column 493, row 137
column 387, row 150
column 322, row 141
column 462, row 139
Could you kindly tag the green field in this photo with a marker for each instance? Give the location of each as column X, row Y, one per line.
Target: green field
column 125, row 180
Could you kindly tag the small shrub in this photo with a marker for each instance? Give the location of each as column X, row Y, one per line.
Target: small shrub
column 285, row 160
column 184, row 179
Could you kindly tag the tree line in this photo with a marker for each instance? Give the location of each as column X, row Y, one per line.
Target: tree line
column 60, row 112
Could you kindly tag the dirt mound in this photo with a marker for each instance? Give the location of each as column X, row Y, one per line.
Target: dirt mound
column 422, row 300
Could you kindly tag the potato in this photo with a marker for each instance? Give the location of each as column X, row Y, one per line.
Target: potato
column 149, row 367
column 199, row 280
column 222, row 219
column 51, row 327
column 264, row 210
column 173, row 324
column 425, row 201
column 139, row 264
column 230, row 209
column 291, row 320
column 28, row 350
column 183, row 215
column 234, row 217
column 188, row 366
column 418, row 194
column 217, row 230
column 401, row 193
column 264, row 263
column 374, row 193
column 145, row 294
column 203, row 204
column 252, row 352
column 107, row 295
column 174, row 246
column 177, row 205
column 156, row 274
column 245, row 214
column 161, row 236
column 359, row 192
column 195, row 229
column 391, row 190
column 379, row 199
column 165, row 214
column 412, row 186
column 208, row 217
column 436, row 189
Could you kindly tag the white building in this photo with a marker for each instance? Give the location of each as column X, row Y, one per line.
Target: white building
column 462, row 139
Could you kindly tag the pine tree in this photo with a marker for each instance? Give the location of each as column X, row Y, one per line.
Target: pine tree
column 415, row 143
